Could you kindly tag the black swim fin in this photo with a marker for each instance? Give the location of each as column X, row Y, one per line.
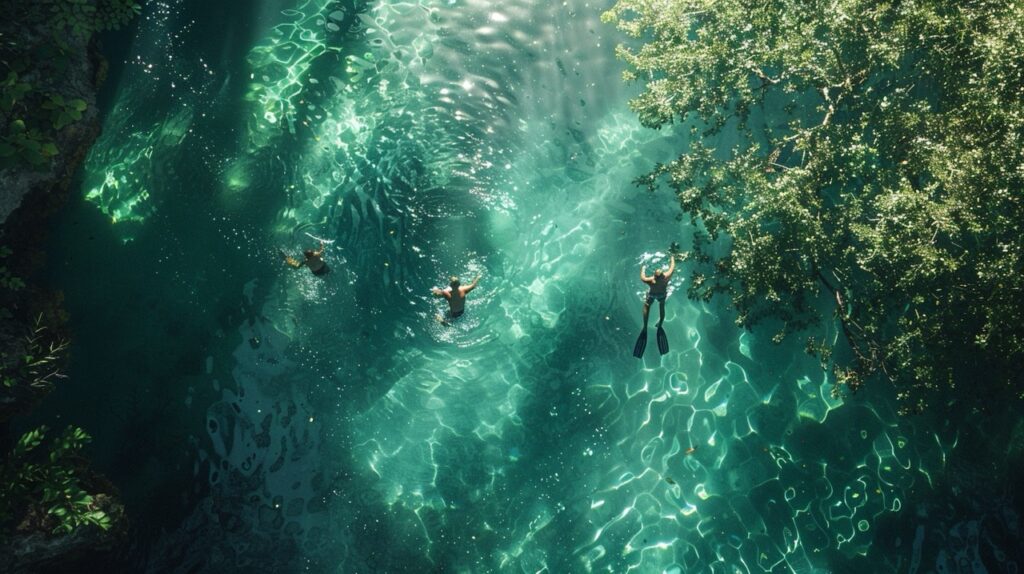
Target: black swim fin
column 662, row 341
column 641, row 345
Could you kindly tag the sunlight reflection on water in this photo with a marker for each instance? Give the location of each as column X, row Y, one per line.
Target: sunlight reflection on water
column 424, row 139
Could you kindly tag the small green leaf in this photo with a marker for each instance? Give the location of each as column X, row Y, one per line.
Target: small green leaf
column 63, row 119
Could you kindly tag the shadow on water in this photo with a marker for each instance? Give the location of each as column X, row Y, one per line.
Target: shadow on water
column 148, row 310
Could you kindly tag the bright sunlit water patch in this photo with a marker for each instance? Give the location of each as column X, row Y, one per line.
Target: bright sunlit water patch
column 334, row 424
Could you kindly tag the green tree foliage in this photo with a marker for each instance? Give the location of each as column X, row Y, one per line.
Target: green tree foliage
column 868, row 152
column 47, row 483
column 85, row 17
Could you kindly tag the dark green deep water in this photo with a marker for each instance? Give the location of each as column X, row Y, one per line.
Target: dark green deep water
column 258, row 419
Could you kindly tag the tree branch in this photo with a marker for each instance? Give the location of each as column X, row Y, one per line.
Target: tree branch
column 869, row 358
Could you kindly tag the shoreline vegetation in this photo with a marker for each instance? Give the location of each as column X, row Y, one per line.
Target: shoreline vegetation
column 856, row 164
column 55, row 511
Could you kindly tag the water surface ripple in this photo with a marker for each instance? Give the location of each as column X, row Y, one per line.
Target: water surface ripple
column 337, row 426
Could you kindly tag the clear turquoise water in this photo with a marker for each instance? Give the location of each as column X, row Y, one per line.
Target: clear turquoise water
column 259, row 419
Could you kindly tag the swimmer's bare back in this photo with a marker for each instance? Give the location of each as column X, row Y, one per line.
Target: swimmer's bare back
column 455, row 293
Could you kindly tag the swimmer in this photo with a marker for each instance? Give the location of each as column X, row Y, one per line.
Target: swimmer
column 456, row 296
column 314, row 260
column 658, row 292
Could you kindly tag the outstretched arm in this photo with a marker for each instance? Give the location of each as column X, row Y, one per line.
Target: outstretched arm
column 291, row 261
column 471, row 286
column 643, row 274
column 440, row 293
column 671, row 266
column 320, row 252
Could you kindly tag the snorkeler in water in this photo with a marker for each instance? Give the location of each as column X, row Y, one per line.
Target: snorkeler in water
column 658, row 292
column 314, row 260
column 456, row 296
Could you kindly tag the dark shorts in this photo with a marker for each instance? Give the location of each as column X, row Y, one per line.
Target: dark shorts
column 652, row 297
column 455, row 314
column 323, row 270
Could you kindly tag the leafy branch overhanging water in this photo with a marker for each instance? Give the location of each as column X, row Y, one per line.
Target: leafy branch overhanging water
column 868, row 153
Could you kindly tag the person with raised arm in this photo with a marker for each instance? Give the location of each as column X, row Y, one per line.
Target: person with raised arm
column 314, row 260
column 456, row 296
column 658, row 292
